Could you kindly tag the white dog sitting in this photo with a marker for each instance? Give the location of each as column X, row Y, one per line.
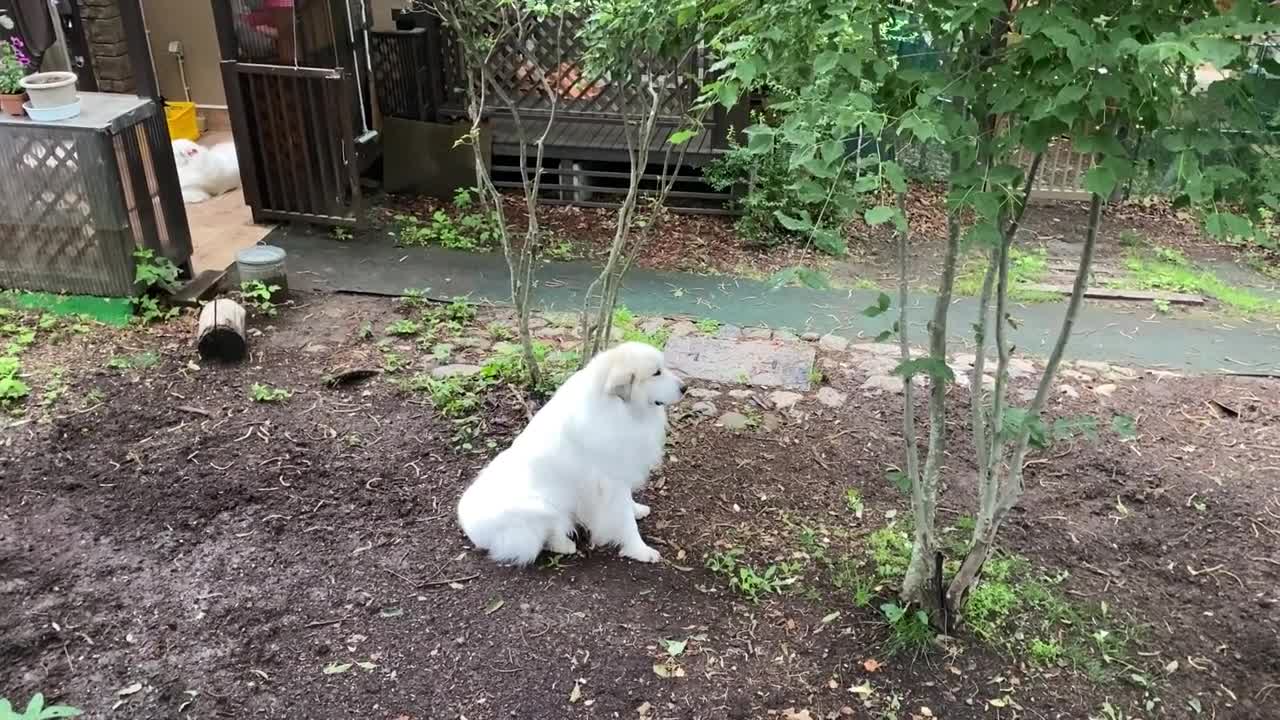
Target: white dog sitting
column 578, row 462
column 205, row 173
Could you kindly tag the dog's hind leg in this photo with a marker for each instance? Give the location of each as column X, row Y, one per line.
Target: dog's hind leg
column 641, row 511
column 560, row 543
column 616, row 525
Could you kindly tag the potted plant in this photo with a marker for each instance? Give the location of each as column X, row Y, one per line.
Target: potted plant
column 49, row 90
column 13, row 67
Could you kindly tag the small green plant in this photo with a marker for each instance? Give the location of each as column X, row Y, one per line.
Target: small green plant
column 36, row 710
column 1162, row 306
column 853, row 501
column 54, row 389
column 341, row 234
column 258, row 295
column 415, row 299
column 890, row 552
column 473, row 231
column 1169, row 269
column 404, row 328
column 1026, row 267
column 708, row 326
column 1045, row 652
column 267, row 394
column 750, row 583
column 911, row 631
column 153, row 274
column 499, row 332
column 139, row 361
column 459, row 311
column 816, row 376
column 12, row 388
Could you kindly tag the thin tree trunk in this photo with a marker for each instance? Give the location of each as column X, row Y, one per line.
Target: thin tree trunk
column 1011, row 476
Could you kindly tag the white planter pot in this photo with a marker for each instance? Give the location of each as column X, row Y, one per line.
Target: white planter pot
column 50, row 89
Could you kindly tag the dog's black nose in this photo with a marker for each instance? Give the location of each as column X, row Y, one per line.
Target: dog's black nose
column 682, row 389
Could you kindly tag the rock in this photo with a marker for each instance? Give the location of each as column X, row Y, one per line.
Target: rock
column 1019, row 367
column 683, row 328
column 535, row 322
column 770, row 422
column 783, row 400
column 1068, row 391
column 883, row 383
column 1120, row 374
column 884, row 350
column 703, row 393
column 705, row 407
column 563, row 319
column 652, row 325
column 785, row 336
column 965, row 359
column 728, row 332
column 315, row 349
column 746, row 362
column 502, row 347
column 457, row 370
column 734, row 421
column 833, row 343
column 551, row 332
column 1075, row 375
column 757, row 334
column 741, row 394
column 1105, row 390
column 831, row 397
column 472, row 342
column 1095, row 366
column 810, row 336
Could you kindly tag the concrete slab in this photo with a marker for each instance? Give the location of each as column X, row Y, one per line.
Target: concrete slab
column 767, row 363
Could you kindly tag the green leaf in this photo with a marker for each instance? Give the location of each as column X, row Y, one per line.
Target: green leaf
column 880, row 215
column 826, row 62
column 882, row 305
column 899, row 480
column 1067, row 428
column 760, row 138
column 1101, row 181
column 794, row 224
column 681, row 137
column 1124, row 426
column 924, row 129
column 1218, row 52
column 1013, row 421
column 893, row 173
column 806, row 277
column 830, row 241
column 937, row 369
column 336, row 668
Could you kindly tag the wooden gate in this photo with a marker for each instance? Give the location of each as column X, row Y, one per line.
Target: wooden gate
column 296, row 77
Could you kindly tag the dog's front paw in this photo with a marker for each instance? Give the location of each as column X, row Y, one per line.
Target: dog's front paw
column 641, row 511
column 562, row 545
column 643, row 553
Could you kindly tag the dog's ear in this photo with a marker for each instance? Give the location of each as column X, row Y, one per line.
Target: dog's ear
column 619, row 382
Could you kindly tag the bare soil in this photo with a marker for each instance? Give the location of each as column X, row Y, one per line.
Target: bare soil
column 171, row 547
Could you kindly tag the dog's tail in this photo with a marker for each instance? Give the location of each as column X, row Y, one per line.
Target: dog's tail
column 515, row 536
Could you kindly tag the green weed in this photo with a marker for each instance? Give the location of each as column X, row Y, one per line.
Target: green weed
column 774, row 579
column 911, row 631
column 36, row 710
column 267, row 394
column 258, row 295
column 154, row 275
column 139, row 361
column 404, row 328
column 708, row 326
column 415, row 299
column 1025, row 268
column 466, row 229
column 1168, row 269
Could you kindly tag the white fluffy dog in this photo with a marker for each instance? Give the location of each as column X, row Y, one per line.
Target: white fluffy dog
column 578, row 462
column 205, row 173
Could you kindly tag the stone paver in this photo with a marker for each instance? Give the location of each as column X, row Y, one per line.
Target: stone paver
column 734, row 421
column 458, row 370
column 753, row 362
column 784, row 399
column 831, row 397
column 833, row 343
column 705, row 407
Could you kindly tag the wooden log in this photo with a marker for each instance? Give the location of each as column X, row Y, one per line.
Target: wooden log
column 221, row 333
column 1120, row 294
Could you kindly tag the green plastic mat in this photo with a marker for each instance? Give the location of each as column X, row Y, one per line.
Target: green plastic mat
column 109, row 311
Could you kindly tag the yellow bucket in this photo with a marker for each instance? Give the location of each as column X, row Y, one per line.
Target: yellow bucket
column 182, row 121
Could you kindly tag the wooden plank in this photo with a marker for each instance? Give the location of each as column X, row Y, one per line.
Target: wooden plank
column 1120, row 294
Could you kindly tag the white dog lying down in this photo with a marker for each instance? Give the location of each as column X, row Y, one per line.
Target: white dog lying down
column 205, row 173
column 578, row 462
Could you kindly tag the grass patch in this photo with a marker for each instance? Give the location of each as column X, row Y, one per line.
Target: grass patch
column 1026, row 267
column 1168, row 269
column 754, row 584
column 626, row 322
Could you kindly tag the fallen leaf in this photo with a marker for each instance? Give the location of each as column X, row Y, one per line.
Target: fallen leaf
column 576, row 694
column 675, row 648
column 366, row 665
column 792, row 714
column 864, row 690
column 391, row 612
column 661, row 670
column 644, row 709
column 494, row 607
column 871, row 665
column 998, row 702
column 831, row 618
column 335, row 668
column 925, row 711
column 1172, row 667
column 122, row 692
column 457, row 586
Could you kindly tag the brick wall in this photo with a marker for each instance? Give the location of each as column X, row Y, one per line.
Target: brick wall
column 105, row 33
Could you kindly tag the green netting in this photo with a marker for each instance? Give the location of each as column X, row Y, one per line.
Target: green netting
column 110, row 311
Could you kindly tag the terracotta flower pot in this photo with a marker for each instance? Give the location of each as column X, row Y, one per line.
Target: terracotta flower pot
column 12, row 104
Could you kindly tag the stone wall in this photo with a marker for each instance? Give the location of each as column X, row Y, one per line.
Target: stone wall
column 107, row 45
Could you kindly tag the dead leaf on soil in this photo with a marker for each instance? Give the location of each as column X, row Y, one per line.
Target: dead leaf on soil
column 336, row 668
column 793, row 714
column 494, row 607
column 644, row 710
column 871, row 665
column 864, row 690
column 125, row 692
column 674, row 648
column 366, row 665
column 576, row 694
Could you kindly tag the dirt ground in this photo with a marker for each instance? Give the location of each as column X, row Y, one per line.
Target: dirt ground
column 171, row 549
